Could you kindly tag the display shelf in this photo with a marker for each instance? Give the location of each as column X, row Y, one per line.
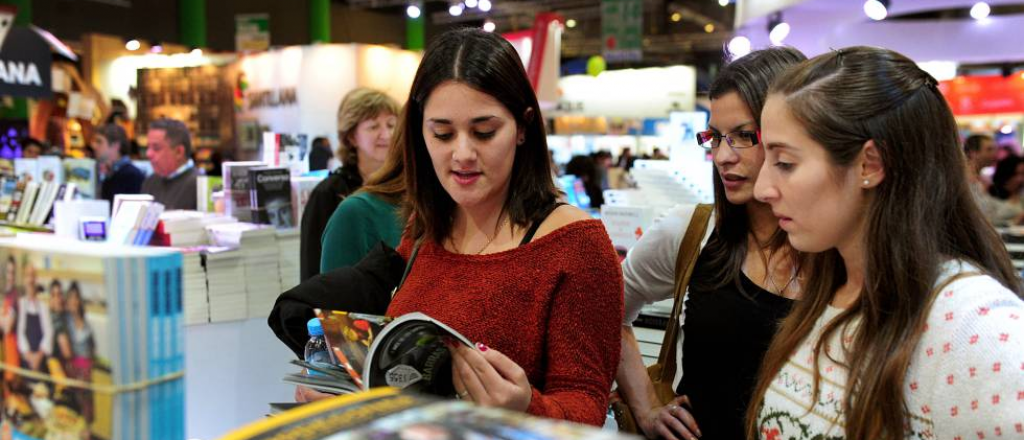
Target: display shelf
column 26, row 228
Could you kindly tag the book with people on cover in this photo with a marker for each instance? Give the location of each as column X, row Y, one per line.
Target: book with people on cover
column 387, row 413
column 92, row 339
column 368, row 351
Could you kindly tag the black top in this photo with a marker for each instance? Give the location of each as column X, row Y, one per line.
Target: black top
column 324, row 199
column 319, row 157
column 126, row 180
column 725, row 336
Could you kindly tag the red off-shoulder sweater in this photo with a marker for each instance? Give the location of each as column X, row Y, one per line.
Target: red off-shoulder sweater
column 554, row 306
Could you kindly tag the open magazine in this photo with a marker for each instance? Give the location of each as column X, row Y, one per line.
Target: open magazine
column 386, row 413
column 369, row 351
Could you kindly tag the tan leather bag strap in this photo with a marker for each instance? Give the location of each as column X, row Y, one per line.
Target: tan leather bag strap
column 686, row 259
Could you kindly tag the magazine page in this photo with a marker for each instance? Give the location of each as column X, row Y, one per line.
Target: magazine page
column 411, row 353
column 350, row 335
column 385, row 413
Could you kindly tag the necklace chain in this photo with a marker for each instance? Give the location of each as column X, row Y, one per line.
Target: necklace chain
column 766, row 259
column 489, row 241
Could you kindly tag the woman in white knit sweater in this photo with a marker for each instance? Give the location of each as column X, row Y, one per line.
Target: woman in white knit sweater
column 911, row 326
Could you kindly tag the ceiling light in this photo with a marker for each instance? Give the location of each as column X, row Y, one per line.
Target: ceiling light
column 489, row 26
column 132, row 45
column 677, row 17
column 739, row 47
column 724, row 3
column 876, row 9
column 471, row 4
column 709, row 28
column 980, row 11
column 197, row 52
column 156, row 48
column 570, row 23
column 778, row 30
column 1007, row 129
column 413, row 11
column 485, row 5
column 455, row 10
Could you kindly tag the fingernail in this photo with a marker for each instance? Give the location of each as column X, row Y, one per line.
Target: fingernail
column 480, row 346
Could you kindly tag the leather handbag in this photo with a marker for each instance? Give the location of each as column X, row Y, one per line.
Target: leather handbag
column 663, row 372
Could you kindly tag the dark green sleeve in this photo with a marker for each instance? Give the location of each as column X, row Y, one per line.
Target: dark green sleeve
column 349, row 235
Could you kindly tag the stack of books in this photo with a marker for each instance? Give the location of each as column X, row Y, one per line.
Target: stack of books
column 134, row 221
column 115, row 318
column 258, row 244
column 188, row 228
column 197, row 306
column 302, row 188
column 288, row 246
column 225, row 271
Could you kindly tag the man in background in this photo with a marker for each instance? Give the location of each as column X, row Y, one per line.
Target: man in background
column 111, row 149
column 320, row 155
column 169, row 150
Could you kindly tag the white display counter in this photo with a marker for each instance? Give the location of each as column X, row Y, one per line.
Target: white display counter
column 233, row 371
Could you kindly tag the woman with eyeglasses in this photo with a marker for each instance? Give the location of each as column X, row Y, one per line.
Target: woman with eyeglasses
column 744, row 281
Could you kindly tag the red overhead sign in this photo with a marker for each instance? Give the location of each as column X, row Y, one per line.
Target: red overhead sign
column 979, row 95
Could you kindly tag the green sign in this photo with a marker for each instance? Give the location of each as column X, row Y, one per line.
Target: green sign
column 252, row 32
column 622, row 30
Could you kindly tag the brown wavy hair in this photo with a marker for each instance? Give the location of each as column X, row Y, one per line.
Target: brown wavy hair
column 920, row 215
column 357, row 106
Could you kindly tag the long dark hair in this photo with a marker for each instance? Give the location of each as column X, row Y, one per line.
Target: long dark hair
column 920, row 215
column 1006, row 169
column 749, row 77
column 487, row 63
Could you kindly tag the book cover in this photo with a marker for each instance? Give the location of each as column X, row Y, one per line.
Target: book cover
column 26, row 169
column 387, row 413
column 237, row 201
column 19, row 193
column 205, row 187
column 50, row 169
column 302, row 187
column 271, row 196
column 7, row 187
column 69, row 292
column 82, row 172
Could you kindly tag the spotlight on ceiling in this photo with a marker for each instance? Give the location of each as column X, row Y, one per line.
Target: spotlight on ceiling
column 778, row 30
column 980, row 11
column 739, row 47
column 413, row 11
column 876, row 9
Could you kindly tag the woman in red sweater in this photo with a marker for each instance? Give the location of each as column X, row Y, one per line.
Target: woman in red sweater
column 537, row 284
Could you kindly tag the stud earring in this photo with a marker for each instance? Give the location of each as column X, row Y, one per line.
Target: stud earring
column 867, row 182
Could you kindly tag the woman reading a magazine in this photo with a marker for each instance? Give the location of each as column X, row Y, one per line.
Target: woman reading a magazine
column 536, row 284
column 744, row 281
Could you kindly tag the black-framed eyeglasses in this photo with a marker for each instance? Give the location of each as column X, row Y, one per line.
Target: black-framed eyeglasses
column 739, row 139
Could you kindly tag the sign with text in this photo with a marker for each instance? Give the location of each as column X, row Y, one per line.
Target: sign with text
column 980, row 95
column 252, row 32
column 622, row 30
column 25, row 65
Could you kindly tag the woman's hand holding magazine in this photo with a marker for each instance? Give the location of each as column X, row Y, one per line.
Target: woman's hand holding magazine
column 489, row 378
